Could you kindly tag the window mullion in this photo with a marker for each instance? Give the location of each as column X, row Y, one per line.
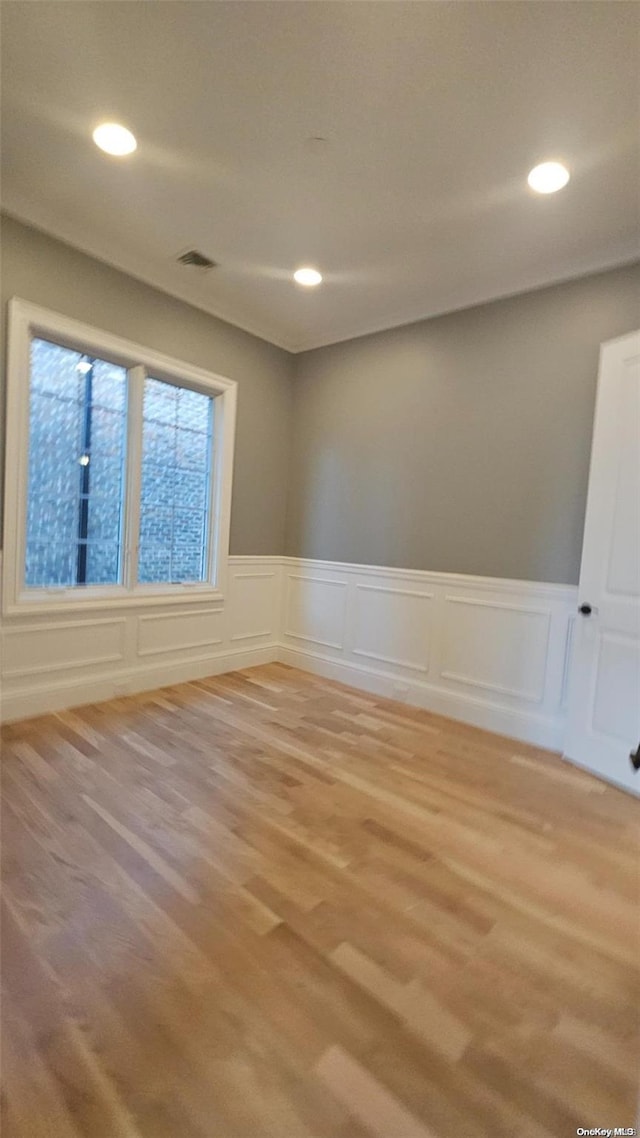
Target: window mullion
column 133, row 475
column 85, row 475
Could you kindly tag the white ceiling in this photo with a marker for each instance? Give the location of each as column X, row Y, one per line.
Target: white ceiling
column 417, row 203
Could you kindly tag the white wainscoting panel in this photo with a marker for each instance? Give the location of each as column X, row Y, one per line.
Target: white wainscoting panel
column 315, row 609
column 254, row 598
column 491, row 652
column 483, row 646
column 614, row 708
column 392, row 626
column 182, row 631
column 41, row 648
column 50, row 662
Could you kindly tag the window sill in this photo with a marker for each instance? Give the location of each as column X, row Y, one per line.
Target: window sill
column 65, row 600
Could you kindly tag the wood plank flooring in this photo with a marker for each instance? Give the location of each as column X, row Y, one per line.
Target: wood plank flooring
column 267, row 906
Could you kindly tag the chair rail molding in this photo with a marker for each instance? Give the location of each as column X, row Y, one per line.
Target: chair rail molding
column 489, row 651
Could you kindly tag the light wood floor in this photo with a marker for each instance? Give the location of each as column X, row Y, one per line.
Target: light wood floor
column 267, row 906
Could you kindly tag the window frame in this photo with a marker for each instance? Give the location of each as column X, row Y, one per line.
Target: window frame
column 26, row 321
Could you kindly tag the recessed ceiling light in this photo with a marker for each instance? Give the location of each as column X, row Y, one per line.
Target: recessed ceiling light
column 114, row 139
column 548, row 177
column 307, row 277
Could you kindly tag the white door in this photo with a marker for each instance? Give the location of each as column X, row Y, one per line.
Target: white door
column 604, row 693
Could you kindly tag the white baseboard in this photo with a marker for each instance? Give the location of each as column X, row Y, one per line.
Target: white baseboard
column 56, row 661
column 493, row 653
column 540, row 730
column 29, row 702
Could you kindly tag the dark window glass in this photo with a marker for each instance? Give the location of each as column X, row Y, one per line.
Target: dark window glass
column 77, row 441
column 176, row 475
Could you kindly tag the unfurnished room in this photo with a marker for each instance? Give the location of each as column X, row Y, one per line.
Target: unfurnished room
column 320, row 569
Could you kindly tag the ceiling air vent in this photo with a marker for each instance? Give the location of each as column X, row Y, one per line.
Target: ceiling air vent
column 196, row 260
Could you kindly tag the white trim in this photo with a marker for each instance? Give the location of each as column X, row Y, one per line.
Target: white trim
column 26, row 319
column 395, row 592
column 391, row 660
column 119, row 599
column 384, row 659
column 429, row 576
column 29, row 701
column 566, row 660
column 541, row 730
column 253, row 576
column 316, row 580
column 274, row 559
column 474, row 602
column 412, row 674
column 184, row 646
column 85, row 662
column 126, row 353
column 134, row 481
column 312, row 640
column 252, row 635
column 501, row 689
column 419, row 673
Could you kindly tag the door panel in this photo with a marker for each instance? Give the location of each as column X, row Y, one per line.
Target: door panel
column 604, row 700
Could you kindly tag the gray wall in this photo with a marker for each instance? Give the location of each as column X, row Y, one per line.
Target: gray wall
column 460, row 443
column 47, row 272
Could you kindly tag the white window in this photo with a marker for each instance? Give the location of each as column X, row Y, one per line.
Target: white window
column 118, row 470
